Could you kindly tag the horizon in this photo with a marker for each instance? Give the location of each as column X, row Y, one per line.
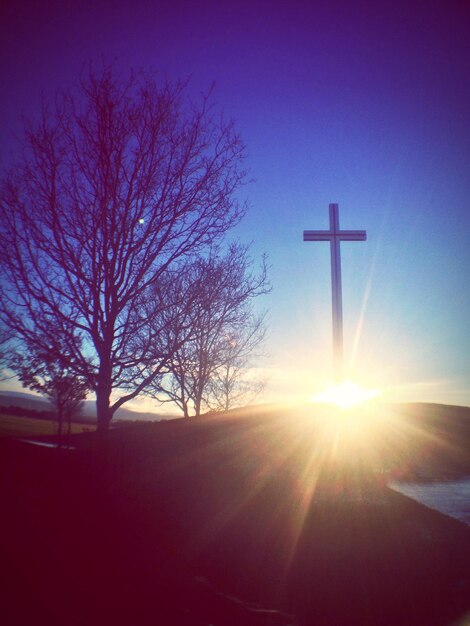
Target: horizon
column 133, row 407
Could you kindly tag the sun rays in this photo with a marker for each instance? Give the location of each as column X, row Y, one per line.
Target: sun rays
column 287, row 469
column 287, row 460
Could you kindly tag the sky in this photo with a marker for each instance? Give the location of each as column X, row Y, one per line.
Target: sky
column 360, row 103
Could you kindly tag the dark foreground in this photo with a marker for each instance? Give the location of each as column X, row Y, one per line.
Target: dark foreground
column 222, row 522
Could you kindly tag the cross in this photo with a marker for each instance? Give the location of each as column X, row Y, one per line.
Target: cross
column 334, row 235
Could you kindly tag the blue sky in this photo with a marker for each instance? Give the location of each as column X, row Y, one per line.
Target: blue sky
column 360, row 103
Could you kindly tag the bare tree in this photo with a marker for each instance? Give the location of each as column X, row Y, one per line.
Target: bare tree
column 44, row 372
column 120, row 182
column 224, row 331
column 234, row 384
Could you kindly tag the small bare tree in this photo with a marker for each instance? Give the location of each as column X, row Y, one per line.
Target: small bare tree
column 44, row 372
column 234, row 384
column 222, row 332
column 119, row 183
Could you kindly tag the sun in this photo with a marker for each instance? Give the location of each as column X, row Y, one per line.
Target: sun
column 346, row 394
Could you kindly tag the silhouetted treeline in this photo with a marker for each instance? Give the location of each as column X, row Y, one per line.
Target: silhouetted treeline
column 23, row 412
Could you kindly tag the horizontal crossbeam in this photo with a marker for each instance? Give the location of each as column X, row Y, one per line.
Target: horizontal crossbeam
column 328, row 235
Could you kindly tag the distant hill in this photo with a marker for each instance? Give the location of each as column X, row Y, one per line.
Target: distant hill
column 29, row 402
column 24, row 401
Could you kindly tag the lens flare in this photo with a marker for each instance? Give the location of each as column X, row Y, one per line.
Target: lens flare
column 346, row 395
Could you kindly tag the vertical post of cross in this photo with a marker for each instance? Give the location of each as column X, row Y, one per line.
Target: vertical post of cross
column 336, row 296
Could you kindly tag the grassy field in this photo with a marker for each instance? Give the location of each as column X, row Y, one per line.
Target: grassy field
column 15, row 426
column 167, row 523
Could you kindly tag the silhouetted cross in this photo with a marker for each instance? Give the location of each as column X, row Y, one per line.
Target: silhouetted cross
column 335, row 236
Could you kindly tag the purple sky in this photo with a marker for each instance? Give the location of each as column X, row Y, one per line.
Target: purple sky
column 361, row 103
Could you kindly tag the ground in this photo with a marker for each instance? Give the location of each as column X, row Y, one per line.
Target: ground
column 14, row 426
column 168, row 523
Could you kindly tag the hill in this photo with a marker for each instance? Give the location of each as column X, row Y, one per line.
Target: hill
column 241, row 518
column 25, row 401
column 423, row 441
column 428, row 441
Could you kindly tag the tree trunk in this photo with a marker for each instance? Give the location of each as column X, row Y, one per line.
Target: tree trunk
column 59, row 425
column 103, row 410
column 101, row 467
column 103, row 390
